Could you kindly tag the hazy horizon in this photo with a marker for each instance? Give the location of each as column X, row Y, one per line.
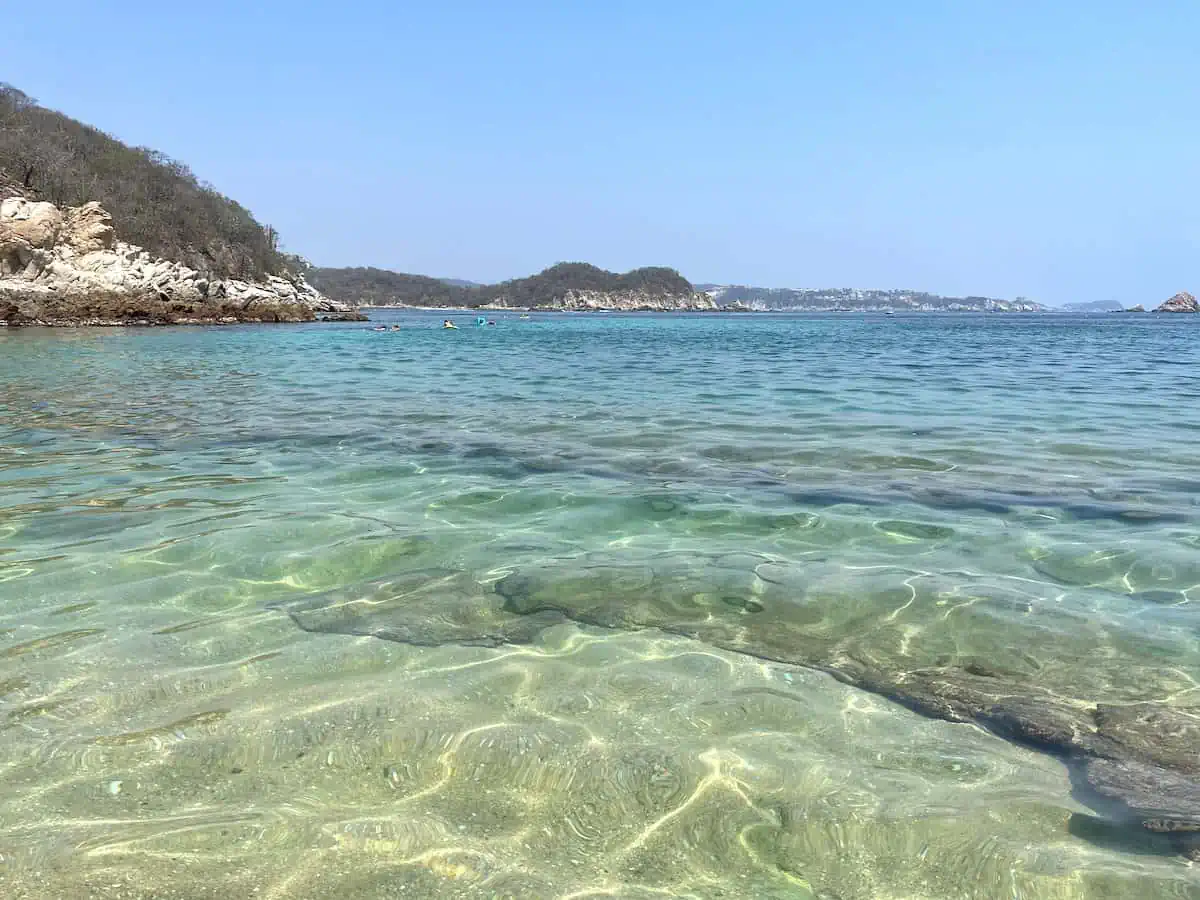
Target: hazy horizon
column 994, row 152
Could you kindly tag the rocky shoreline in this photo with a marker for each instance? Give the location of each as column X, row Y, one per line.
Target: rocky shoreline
column 615, row 301
column 67, row 268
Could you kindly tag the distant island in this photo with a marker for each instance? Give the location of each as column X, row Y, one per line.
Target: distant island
column 1183, row 302
column 1093, row 306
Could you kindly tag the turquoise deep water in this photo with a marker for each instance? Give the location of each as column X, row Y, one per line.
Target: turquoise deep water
column 254, row 637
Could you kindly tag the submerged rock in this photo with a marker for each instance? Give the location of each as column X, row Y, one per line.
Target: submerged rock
column 1137, row 757
column 68, row 268
column 1183, row 302
column 1162, row 799
column 1162, row 735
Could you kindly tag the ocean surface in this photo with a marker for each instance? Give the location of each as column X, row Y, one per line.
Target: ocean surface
column 547, row 609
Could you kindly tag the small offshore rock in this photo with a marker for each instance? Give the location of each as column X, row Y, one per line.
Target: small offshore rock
column 1183, row 302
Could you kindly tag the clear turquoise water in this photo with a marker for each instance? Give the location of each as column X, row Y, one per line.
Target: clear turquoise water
column 1016, row 492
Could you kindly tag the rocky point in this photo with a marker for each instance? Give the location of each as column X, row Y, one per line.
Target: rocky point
column 68, row 268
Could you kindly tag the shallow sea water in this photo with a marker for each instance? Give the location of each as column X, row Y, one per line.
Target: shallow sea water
column 252, row 645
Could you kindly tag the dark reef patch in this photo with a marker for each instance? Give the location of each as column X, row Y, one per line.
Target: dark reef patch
column 1135, row 763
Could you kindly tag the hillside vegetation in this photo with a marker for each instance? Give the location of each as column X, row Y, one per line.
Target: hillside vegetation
column 551, row 286
column 378, row 287
column 156, row 202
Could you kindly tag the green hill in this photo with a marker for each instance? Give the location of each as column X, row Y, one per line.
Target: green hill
column 156, row 202
column 550, row 286
column 379, row 287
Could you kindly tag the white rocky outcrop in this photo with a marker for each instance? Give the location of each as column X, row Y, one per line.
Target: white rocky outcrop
column 68, row 268
column 636, row 300
column 1183, row 302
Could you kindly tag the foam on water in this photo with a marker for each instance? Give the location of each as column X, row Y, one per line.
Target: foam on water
column 684, row 508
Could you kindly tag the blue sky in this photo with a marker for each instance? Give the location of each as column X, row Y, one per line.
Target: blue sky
column 1050, row 150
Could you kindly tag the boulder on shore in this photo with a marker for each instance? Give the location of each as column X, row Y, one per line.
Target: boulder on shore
column 68, row 268
column 1183, row 302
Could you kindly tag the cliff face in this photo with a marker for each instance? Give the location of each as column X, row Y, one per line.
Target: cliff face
column 67, row 268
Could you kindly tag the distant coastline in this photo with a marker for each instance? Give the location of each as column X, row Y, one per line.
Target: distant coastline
column 464, row 310
column 581, row 287
column 558, row 290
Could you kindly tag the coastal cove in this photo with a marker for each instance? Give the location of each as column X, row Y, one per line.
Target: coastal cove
column 683, row 604
column 637, row 451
